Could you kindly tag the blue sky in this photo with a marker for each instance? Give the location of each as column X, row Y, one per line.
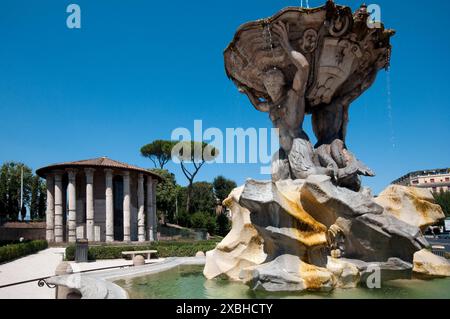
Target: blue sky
column 139, row 69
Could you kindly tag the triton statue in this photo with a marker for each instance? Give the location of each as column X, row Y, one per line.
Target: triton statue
column 314, row 61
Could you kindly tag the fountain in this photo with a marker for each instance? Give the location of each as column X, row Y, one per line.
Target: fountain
column 313, row 227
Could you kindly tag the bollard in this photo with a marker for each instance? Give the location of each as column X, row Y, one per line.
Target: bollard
column 138, row 261
column 200, row 254
column 64, row 268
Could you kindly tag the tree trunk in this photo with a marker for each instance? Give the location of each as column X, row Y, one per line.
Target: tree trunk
column 188, row 197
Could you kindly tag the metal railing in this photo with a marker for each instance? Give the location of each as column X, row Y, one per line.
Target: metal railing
column 42, row 281
column 438, row 251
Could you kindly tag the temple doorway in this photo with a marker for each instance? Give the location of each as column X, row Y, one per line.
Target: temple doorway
column 118, row 207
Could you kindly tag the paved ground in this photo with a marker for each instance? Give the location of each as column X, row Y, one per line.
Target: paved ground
column 42, row 264
column 34, row 266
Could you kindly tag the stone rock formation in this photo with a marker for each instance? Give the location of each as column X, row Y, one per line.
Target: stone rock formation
column 414, row 206
column 428, row 264
column 377, row 237
column 351, row 273
column 347, row 274
column 288, row 232
column 290, row 274
column 241, row 248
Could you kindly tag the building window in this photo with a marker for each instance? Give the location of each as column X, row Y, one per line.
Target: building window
column 447, row 179
column 432, row 180
column 415, row 182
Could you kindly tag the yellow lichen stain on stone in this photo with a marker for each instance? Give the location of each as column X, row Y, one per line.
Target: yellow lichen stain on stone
column 316, row 208
column 315, row 278
column 297, row 211
column 228, row 202
column 311, row 239
column 395, row 210
column 414, row 206
column 423, row 207
column 395, row 199
column 313, row 283
column 249, row 227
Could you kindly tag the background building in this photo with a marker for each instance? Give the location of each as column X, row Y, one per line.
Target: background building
column 101, row 200
column 435, row 180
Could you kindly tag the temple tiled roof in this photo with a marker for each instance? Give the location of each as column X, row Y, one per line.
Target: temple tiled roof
column 103, row 162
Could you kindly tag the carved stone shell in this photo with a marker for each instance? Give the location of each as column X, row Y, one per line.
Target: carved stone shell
column 342, row 50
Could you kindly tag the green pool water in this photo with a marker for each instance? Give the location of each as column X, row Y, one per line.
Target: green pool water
column 188, row 282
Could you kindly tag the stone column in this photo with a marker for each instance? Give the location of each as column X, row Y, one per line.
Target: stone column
column 50, row 211
column 90, row 214
column 150, row 219
column 154, row 210
column 71, row 188
column 126, row 208
column 58, row 208
column 109, row 206
column 141, row 214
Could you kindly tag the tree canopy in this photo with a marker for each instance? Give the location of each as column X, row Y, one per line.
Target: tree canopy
column 38, row 198
column 194, row 205
column 166, row 194
column 159, row 152
column 443, row 199
column 10, row 180
column 196, row 154
column 203, row 198
column 223, row 187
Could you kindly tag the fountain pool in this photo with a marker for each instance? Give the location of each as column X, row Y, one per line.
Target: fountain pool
column 188, row 282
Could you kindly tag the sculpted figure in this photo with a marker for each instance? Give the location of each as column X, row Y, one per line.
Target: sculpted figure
column 315, row 61
column 286, row 108
column 330, row 127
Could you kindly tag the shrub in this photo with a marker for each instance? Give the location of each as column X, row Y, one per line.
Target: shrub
column 165, row 249
column 184, row 219
column 198, row 220
column 11, row 242
column 206, row 221
column 14, row 251
column 223, row 225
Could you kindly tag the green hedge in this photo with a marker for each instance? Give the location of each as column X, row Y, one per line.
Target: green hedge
column 165, row 249
column 11, row 242
column 14, row 251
